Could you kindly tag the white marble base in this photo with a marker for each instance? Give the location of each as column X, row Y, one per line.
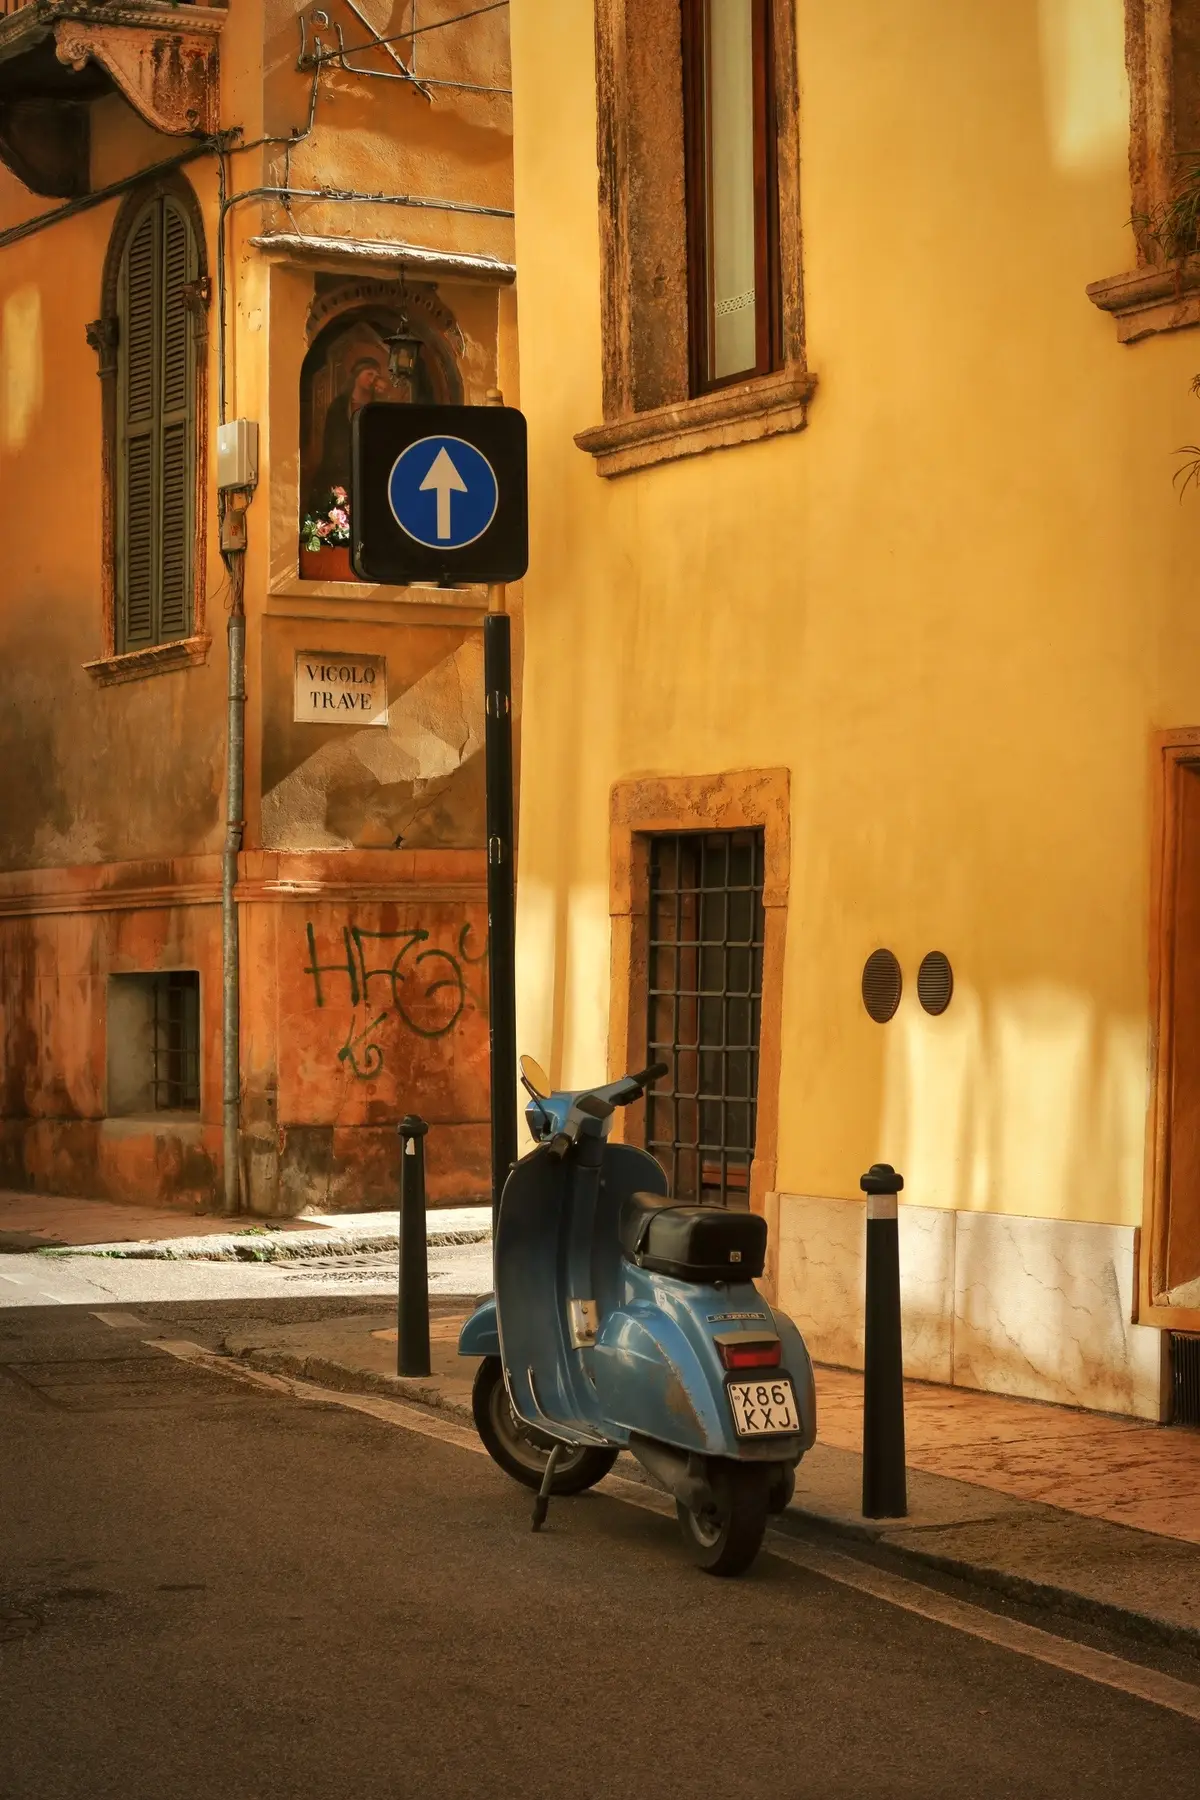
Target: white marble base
column 1035, row 1307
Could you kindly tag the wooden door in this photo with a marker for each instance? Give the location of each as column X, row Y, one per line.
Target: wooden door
column 1183, row 1137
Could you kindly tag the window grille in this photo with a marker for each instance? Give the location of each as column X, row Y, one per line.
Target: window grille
column 705, row 1005
column 1185, row 1378
column 176, row 1038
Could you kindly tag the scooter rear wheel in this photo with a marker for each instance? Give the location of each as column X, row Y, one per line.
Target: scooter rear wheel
column 523, row 1452
column 725, row 1539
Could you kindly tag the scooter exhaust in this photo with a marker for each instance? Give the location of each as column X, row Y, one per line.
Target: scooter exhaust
column 681, row 1472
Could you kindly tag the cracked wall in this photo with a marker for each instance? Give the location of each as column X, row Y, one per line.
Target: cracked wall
column 416, row 783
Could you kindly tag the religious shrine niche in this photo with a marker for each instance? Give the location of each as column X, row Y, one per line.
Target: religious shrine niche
column 368, row 340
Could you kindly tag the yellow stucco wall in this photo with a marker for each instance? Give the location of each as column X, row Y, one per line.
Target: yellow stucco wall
column 955, row 607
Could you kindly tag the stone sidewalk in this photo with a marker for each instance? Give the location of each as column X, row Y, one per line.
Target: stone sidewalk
column 1089, row 1514
column 102, row 1228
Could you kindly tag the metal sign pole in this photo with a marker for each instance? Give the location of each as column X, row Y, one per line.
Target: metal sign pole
column 501, row 887
column 501, row 898
column 441, row 494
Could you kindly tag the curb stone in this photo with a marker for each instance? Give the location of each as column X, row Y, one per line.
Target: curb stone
column 252, row 1248
column 798, row 1521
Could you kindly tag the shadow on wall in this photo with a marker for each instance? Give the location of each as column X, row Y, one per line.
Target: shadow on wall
column 417, row 781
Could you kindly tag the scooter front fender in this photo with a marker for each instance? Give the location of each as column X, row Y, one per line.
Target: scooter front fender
column 480, row 1336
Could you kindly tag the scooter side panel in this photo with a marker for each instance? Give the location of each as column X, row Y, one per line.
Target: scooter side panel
column 798, row 1364
column 547, row 1383
column 649, row 1380
column 480, row 1335
column 659, row 1373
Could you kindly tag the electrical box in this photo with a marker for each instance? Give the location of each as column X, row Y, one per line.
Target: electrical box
column 237, row 454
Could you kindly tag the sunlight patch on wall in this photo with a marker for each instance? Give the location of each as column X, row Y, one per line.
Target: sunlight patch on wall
column 1027, row 1106
column 585, row 1020
column 535, row 963
column 1086, row 92
column 20, row 365
column 1041, row 1048
column 932, row 1125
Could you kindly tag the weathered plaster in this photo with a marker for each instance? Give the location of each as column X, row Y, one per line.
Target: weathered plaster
column 375, row 786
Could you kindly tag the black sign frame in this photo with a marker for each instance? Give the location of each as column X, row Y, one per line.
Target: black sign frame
column 381, row 550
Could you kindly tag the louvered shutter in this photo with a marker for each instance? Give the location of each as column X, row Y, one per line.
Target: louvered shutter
column 156, row 435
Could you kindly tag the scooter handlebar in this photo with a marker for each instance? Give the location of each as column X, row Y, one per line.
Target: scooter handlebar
column 642, row 1080
column 595, row 1106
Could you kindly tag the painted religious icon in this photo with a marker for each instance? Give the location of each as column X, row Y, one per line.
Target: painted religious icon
column 346, row 367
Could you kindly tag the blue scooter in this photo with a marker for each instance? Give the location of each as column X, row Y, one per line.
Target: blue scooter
column 624, row 1321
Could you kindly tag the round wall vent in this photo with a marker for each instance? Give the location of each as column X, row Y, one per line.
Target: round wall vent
column 935, row 982
column 882, row 984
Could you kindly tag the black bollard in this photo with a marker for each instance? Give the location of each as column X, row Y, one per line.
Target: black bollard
column 884, row 1489
column 412, row 1320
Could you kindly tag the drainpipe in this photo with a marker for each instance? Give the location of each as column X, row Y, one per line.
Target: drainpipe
column 233, row 524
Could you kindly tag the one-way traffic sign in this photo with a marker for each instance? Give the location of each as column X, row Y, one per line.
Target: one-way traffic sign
column 439, row 494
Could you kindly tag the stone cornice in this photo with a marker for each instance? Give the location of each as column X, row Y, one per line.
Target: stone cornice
column 1145, row 302
column 356, row 253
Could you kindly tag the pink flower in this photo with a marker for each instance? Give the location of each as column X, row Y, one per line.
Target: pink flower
column 324, row 528
column 340, row 495
column 340, row 517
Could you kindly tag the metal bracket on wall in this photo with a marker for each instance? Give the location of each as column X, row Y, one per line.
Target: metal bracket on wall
column 322, row 53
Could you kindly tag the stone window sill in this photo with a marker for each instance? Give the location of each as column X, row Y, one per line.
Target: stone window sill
column 157, row 659
column 743, row 414
column 293, row 587
column 1145, row 302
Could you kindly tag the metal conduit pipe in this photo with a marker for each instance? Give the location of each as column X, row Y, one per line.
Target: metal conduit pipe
column 235, row 788
column 354, row 194
column 85, row 202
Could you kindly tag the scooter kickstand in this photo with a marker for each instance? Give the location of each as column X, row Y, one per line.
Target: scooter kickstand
column 541, row 1505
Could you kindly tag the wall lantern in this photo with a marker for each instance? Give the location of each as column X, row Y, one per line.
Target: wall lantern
column 404, row 351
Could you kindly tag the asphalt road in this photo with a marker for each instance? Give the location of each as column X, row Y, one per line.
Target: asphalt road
column 210, row 1589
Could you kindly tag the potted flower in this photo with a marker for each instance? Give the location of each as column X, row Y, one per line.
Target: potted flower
column 325, row 540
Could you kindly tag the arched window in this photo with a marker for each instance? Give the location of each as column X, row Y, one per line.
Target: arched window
column 155, row 296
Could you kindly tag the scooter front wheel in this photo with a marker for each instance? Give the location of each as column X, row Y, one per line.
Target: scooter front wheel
column 523, row 1452
column 725, row 1538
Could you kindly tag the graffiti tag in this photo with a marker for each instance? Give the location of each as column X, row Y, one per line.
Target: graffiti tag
column 424, row 987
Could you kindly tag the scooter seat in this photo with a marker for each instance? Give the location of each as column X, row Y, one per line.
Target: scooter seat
column 694, row 1243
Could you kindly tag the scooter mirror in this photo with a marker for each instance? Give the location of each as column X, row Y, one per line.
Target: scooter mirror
column 535, row 1077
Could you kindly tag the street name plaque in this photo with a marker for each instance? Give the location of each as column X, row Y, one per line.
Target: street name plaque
column 340, row 687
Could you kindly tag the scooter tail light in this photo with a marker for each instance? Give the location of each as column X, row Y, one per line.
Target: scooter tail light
column 764, row 1355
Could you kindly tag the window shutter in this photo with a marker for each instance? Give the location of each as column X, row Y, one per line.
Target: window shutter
column 178, row 388
column 136, row 547
column 156, row 431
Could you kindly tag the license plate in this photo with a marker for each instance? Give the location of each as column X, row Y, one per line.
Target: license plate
column 763, row 1406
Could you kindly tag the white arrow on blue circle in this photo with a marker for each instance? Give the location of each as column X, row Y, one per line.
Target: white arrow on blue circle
column 443, row 479
column 443, row 492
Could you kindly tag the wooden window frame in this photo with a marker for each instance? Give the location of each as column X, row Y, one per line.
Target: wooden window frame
column 697, row 196
column 116, row 665
column 650, row 412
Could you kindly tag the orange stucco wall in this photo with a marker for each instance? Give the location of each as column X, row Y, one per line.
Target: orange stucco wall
column 112, row 817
